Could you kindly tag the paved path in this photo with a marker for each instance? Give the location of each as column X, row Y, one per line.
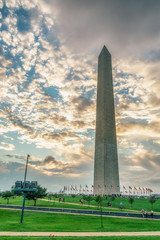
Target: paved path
column 82, row 234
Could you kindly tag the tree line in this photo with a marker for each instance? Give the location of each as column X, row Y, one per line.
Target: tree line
column 42, row 192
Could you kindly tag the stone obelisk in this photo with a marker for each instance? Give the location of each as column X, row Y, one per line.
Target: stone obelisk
column 106, row 173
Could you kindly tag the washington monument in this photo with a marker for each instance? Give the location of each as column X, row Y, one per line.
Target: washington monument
column 106, row 173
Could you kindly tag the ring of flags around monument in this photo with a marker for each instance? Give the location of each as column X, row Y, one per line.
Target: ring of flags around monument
column 89, row 190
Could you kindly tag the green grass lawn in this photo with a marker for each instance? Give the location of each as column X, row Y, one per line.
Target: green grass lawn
column 137, row 205
column 84, row 238
column 37, row 221
column 41, row 203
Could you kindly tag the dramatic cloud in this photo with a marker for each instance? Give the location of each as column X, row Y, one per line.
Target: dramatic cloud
column 48, row 72
column 8, row 147
column 119, row 24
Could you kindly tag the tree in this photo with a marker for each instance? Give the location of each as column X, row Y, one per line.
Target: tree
column 131, row 200
column 55, row 196
column 84, row 197
column 49, row 195
column 59, row 195
column 152, row 201
column 112, row 199
column 7, row 195
column 99, row 200
column 41, row 192
column 73, row 196
column 88, row 199
column 17, row 193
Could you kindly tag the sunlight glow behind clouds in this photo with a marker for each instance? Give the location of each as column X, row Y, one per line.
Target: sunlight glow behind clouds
column 48, row 92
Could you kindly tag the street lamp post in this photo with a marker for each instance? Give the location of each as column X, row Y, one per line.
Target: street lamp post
column 24, row 198
column 26, row 168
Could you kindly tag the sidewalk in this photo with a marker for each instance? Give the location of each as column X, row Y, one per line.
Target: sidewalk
column 82, row 234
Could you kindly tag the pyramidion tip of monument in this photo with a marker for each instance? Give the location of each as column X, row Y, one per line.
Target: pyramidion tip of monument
column 104, row 51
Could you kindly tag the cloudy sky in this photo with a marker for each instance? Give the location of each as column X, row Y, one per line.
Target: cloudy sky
column 48, row 73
